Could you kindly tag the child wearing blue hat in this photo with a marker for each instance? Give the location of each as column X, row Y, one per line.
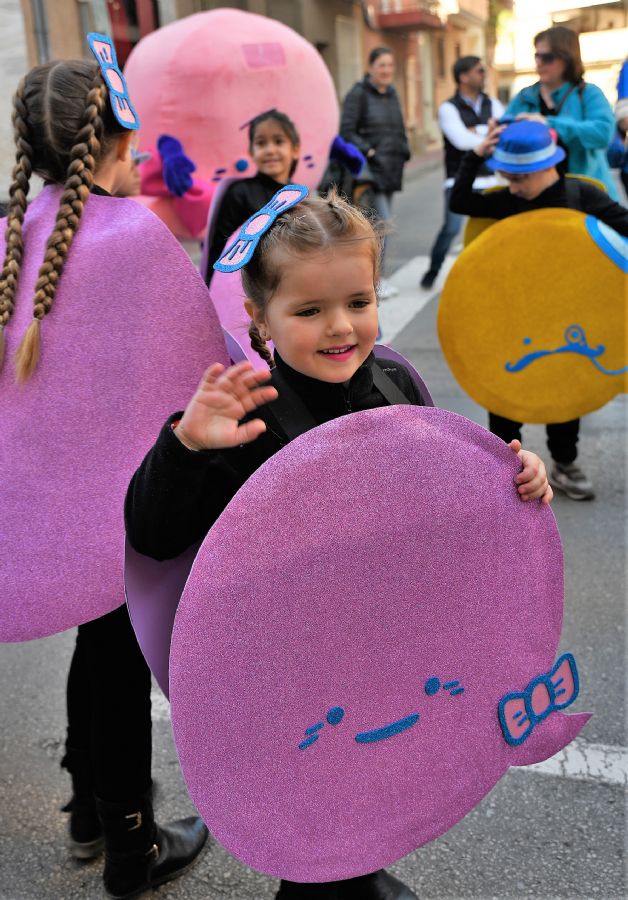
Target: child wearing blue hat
column 525, row 154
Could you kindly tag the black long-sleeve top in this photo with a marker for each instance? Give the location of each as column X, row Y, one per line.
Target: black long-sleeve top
column 241, row 200
column 569, row 193
column 374, row 121
column 177, row 494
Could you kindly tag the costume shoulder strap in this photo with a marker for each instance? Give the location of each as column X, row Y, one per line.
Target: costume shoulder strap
column 289, row 410
column 387, row 387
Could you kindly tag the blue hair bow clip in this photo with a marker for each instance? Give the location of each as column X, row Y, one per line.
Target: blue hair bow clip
column 102, row 47
column 239, row 253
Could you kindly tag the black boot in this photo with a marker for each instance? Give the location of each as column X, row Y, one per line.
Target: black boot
column 380, row 885
column 295, row 890
column 139, row 854
column 85, row 839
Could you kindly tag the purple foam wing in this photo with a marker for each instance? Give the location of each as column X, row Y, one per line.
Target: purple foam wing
column 335, row 685
column 131, row 330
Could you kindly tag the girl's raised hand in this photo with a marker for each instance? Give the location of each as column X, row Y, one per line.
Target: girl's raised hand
column 224, row 396
column 532, row 483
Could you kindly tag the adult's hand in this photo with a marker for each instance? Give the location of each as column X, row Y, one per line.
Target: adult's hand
column 486, row 147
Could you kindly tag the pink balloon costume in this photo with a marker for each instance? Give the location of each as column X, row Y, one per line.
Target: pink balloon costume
column 353, row 691
column 131, row 330
column 203, row 78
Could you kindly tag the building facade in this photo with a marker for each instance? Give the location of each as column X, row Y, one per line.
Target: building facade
column 426, row 36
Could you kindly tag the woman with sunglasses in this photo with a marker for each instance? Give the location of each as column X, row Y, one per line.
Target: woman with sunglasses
column 578, row 111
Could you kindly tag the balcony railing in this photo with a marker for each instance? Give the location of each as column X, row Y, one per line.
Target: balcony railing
column 407, row 14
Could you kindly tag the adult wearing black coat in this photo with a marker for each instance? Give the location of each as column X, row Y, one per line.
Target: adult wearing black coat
column 373, row 121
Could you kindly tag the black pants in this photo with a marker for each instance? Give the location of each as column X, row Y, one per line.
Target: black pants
column 562, row 439
column 108, row 702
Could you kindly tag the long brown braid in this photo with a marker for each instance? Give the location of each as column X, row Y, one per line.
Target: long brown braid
column 313, row 225
column 18, row 193
column 62, row 123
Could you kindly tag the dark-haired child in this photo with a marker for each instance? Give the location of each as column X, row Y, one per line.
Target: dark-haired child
column 274, row 146
column 311, row 288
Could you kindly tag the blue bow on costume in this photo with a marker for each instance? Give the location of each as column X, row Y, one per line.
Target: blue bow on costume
column 520, row 712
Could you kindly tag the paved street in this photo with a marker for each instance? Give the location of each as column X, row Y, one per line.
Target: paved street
column 548, row 832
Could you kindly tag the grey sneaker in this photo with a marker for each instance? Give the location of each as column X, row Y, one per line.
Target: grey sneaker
column 571, row 480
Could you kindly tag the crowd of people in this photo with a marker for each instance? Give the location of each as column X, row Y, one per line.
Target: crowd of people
column 322, row 349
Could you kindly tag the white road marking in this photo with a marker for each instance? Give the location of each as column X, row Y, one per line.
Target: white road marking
column 580, row 761
column 396, row 313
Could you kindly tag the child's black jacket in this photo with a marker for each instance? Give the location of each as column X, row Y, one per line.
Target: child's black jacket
column 567, row 193
column 177, row 494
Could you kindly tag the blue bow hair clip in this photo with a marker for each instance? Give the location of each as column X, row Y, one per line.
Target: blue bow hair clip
column 105, row 53
column 239, row 253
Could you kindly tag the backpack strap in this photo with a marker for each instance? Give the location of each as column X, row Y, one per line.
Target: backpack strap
column 289, row 410
column 294, row 418
column 387, row 387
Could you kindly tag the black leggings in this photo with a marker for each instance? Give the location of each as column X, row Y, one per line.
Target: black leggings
column 108, row 702
column 562, row 439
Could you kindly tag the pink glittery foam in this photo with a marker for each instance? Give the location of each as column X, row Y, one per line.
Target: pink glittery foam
column 131, row 330
column 372, row 555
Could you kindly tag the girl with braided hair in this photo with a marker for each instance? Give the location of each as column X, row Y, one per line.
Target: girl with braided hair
column 83, row 352
column 310, row 285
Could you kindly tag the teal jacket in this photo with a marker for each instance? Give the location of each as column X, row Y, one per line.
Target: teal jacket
column 585, row 125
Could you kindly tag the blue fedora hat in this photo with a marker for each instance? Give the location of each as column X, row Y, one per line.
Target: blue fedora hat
column 525, row 147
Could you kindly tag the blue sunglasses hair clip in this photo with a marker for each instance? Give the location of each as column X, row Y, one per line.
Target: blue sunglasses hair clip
column 103, row 49
column 239, row 253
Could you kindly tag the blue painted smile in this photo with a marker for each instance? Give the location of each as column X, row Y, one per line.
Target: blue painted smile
column 387, row 731
column 576, row 342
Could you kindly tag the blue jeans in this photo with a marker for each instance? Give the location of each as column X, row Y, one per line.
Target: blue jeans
column 445, row 237
column 383, row 207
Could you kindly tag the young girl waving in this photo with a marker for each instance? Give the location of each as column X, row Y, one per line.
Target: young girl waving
column 311, row 288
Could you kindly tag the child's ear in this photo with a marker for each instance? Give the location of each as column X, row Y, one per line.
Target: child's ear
column 124, row 145
column 255, row 314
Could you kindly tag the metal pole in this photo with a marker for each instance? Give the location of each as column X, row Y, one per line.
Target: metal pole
column 42, row 37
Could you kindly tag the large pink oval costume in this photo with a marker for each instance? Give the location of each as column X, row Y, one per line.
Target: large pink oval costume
column 204, row 77
column 348, row 686
column 130, row 332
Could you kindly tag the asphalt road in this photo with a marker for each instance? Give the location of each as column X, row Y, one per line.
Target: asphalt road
column 537, row 835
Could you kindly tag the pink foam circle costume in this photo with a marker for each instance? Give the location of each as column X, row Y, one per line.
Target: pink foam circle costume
column 131, row 330
column 203, row 77
column 336, row 683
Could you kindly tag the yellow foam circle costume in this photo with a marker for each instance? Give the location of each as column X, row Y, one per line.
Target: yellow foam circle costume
column 532, row 318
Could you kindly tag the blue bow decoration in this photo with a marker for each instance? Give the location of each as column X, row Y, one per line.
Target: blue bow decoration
column 520, row 712
column 239, row 253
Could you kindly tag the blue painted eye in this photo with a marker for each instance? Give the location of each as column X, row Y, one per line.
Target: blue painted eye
column 335, row 715
column 241, row 165
column 432, row 686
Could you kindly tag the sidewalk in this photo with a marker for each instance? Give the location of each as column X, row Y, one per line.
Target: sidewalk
column 423, row 162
